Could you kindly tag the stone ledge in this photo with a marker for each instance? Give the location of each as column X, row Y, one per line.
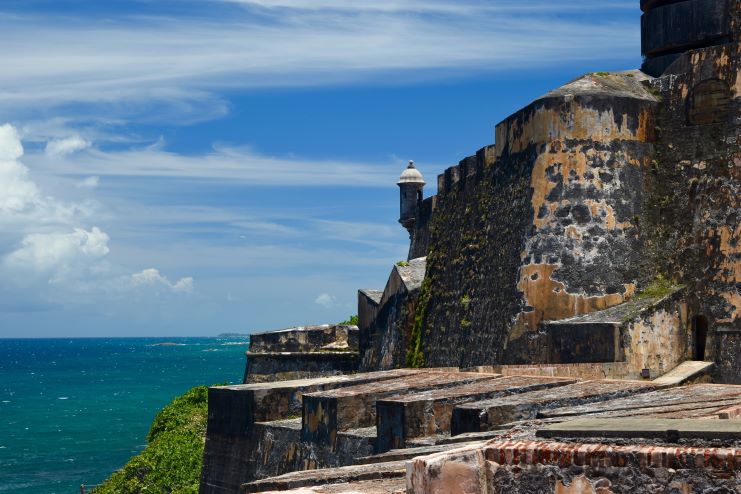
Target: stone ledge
column 601, row 455
column 355, row 473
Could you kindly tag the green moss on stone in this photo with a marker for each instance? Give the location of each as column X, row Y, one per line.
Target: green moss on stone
column 659, row 287
column 415, row 354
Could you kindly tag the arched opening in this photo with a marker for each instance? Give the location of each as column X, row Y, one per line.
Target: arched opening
column 709, row 103
column 700, row 336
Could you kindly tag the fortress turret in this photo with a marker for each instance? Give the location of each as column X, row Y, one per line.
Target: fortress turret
column 672, row 27
column 410, row 184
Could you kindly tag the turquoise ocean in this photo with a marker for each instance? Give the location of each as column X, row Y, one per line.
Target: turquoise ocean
column 74, row 410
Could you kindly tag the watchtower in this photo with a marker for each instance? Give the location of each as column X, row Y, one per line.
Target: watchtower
column 672, row 27
column 410, row 185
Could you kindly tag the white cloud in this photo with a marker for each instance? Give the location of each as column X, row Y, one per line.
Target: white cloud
column 326, row 300
column 21, row 200
column 459, row 7
column 10, row 143
column 88, row 183
column 59, row 252
column 152, row 278
column 53, row 248
column 63, row 147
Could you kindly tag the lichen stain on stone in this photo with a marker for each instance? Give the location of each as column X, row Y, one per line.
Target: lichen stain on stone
column 314, row 417
column 737, row 84
column 571, row 120
column 729, row 250
column 656, row 342
column 572, row 167
column 579, row 485
column 551, row 301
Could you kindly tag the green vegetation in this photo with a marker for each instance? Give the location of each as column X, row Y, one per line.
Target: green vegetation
column 171, row 462
column 402, row 264
column 465, row 301
column 465, row 323
column 351, row 321
column 415, row 355
column 659, row 287
column 602, row 74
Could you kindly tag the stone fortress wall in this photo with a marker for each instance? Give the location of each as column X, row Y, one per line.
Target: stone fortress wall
column 569, row 294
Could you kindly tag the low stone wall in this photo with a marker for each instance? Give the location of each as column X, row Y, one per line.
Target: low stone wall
column 574, row 468
column 728, row 362
column 611, row 370
column 302, row 352
column 269, row 367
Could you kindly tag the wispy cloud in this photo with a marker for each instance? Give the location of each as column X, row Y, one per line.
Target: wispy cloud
column 222, row 164
column 184, row 63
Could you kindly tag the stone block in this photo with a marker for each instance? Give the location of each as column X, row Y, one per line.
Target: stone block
column 671, row 430
column 429, row 413
column 683, row 399
column 578, row 343
column 326, row 413
column 487, row 415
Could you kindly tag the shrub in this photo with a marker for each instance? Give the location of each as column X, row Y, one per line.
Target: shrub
column 171, row 462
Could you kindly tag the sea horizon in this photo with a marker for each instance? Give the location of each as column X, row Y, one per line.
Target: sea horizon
column 74, row 409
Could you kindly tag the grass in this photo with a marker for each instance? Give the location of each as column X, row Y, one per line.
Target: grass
column 171, row 462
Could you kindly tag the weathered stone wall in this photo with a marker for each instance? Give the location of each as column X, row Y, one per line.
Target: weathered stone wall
column 302, row 352
column 263, row 368
column 671, row 27
column 692, row 221
column 420, row 240
column 368, row 301
column 658, row 339
column 540, row 227
column 564, row 468
column 388, row 336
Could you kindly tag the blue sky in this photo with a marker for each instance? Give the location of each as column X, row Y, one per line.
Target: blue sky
column 184, row 167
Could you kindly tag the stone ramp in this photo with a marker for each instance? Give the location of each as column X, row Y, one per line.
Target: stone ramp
column 673, row 399
column 328, row 412
column 409, row 453
column 384, row 486
column 429, row 413
column 327, row 476
column 487, row 415
column 686, row 372
column 671, row 430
